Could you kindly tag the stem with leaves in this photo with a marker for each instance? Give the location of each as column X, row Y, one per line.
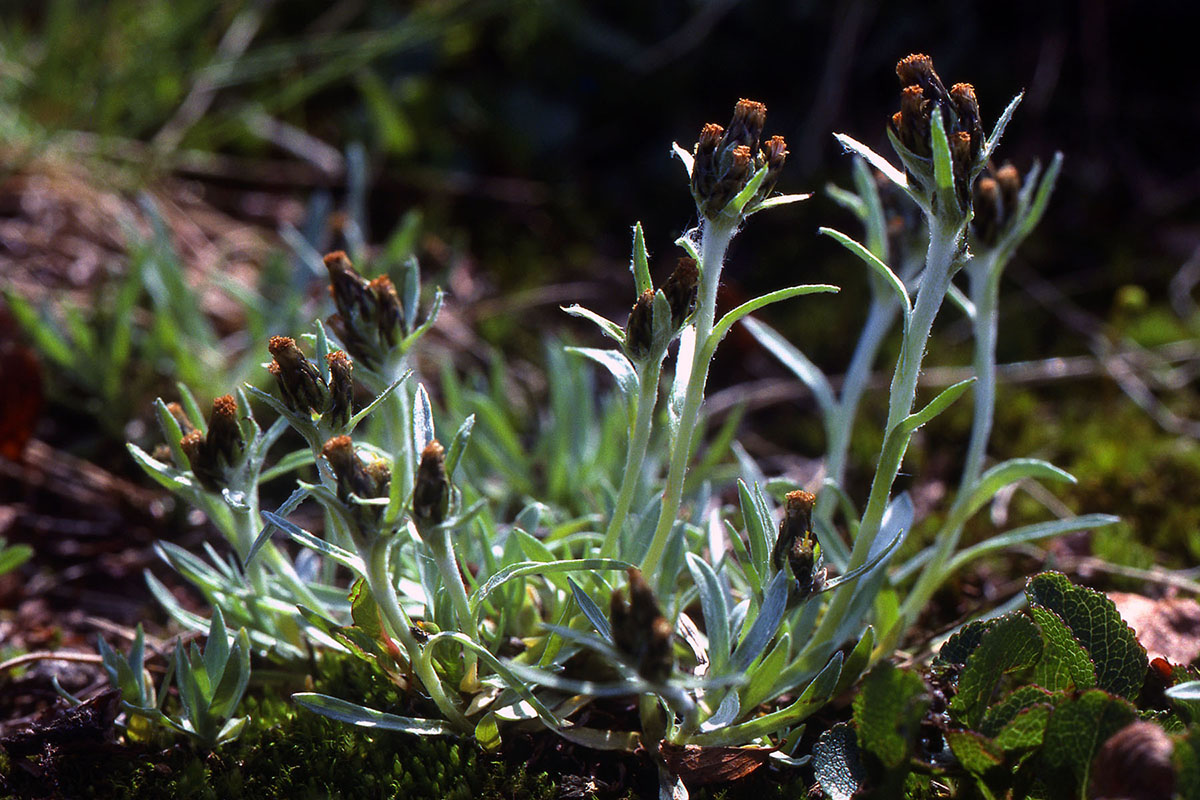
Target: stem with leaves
column 715, row 236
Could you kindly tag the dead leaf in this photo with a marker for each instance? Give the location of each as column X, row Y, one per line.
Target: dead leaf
column 1168, row 628
column 699, row 765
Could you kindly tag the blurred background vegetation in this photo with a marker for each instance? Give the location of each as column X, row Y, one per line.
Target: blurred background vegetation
column 511, row 144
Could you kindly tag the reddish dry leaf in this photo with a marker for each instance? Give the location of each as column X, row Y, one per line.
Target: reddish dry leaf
column 1168, row 628
column 698, row 765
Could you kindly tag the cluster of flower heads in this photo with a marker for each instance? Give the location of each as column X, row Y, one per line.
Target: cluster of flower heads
column 358, row 479
column 922, row 93
column 996, row 197
column 726, row 158
column 370, row 319
column 212, row 455
column 797, row 545
column 680, row 290
column 304, row 390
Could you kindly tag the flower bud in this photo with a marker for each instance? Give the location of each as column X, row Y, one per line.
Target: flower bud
column 388, row 310
column 224, row 434
column 176, row 411
column 356, row 480
column 912, row 121
column 966, row 109
column 681, row 290
column 639, row 330
column 776, row 154
column 431, row 492
column 746, row 127
column 961, row 160
column 1008, row 178
column 299, row 379
column 987, row 203
column 704, row 166
column 341, row 389
column 640, row 631
column 211, row 456
column 796, row 544
column 917, row 70
column 351, row 293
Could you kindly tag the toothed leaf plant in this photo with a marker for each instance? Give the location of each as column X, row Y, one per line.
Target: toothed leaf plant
column 511, row 574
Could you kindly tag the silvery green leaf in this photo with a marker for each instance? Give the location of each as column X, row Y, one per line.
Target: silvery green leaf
column 684, row 156
column 321, row 350
column 776, row 201
column 847, row 200
column 688, row 243
column 1029, row 533
column 411, row 296
column 943, row 169
column 1189, row 691
column 936, row 406
column 813, row 698
column 609, row 328
column 798, row 363
column 523, row 568
column 639, row 265
column 458, row 445
column 715, row 606
column 726, row 713
column 298, row 534
column 740, row 200
column 434, row 309
column 683, row 372
column 994, row 139
column 766, row 623
column 363, row 717
column 166, row 476
column 291, row 504
column 878, row 267
column 369, row 407
column 726, row 322
column 616, row 363
column 422, row 420
column 590, row 610
column 874, row 159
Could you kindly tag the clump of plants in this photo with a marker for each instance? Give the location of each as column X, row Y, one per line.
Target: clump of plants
column 731, row 624
column 1056, row 702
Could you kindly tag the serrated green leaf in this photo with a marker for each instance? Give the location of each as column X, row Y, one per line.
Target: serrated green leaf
column 1026, row 730
column 1187, row 764
column 1120, row 661
column 1065, row 664
column 1076, row 729
column 837, row 763
column 1005, row 710
column 1013, row 642
column 962, row 643
column 975, row 752
column 888, row 711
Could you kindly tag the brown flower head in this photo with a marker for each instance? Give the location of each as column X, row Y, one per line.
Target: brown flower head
column 681, row 290
column 431, row 492
column 639, row 329
column 640, row 631
column 341, row 388
column 300, row 381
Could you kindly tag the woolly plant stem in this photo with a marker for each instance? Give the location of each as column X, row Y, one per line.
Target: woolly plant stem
column 635, row 457
column 714, row 241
